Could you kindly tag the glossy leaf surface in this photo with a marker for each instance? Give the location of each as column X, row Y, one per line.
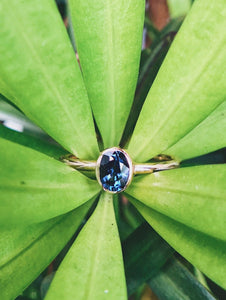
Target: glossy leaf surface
column 93, row 267
column 188, row 195
column 26, row 252
column 145, row 252
column 206, row 253
column 194, row 196
column 207, row 137
column 16, row 127
column 11, row 115
column 178, row 282
column 108, row 38
column 32, row 142
column 39, row 73
column 151, row 60
column 35, row 187
column 190, row 83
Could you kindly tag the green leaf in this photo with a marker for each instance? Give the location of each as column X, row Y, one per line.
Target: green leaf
column 39, row 73
column 190, row 84
column 108, row 38
column 206, row 253
column 11, row 113
column 178, row 283
column 179, row 8
column 151, row 60
column 145, row 252
column 194, row 196
column 207, row 137
column 32, row 142
column 26, row 252
column 35, row 187
column 93, row 267
column 29, row 134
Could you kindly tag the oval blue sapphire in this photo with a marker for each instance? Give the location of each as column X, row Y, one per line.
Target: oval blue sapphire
column 114, row 170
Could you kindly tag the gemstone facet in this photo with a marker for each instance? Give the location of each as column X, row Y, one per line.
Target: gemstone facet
column 114, row 171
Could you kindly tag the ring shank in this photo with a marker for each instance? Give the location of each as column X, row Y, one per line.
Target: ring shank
column 152, row 167
column 81, row 165
column 145, row 168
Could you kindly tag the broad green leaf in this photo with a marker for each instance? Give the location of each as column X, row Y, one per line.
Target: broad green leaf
column 10, row 114
column 194, row 196
column 93, row 267
column 108, row 38
column 178, row 283
column 32, row 142
column 27, row 134
column 35, row 187
column 26, row 252
column 151, row 60
column 145, row 252
column 207, row 137
column 206, row 253
column 190, row 83
column 39, row 73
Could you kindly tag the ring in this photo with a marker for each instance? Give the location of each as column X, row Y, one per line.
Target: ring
column 115, row 169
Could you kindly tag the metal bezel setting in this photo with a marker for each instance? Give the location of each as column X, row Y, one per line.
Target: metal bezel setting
column 131, row 168
column 134, row 168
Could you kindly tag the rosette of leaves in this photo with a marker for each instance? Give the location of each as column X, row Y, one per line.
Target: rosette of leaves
column 43, row 201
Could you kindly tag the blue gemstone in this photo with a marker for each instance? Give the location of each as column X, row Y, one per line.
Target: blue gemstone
column 114, row 170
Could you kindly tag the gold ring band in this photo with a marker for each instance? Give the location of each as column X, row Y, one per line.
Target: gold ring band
column 145, row 168
column 114, row 168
